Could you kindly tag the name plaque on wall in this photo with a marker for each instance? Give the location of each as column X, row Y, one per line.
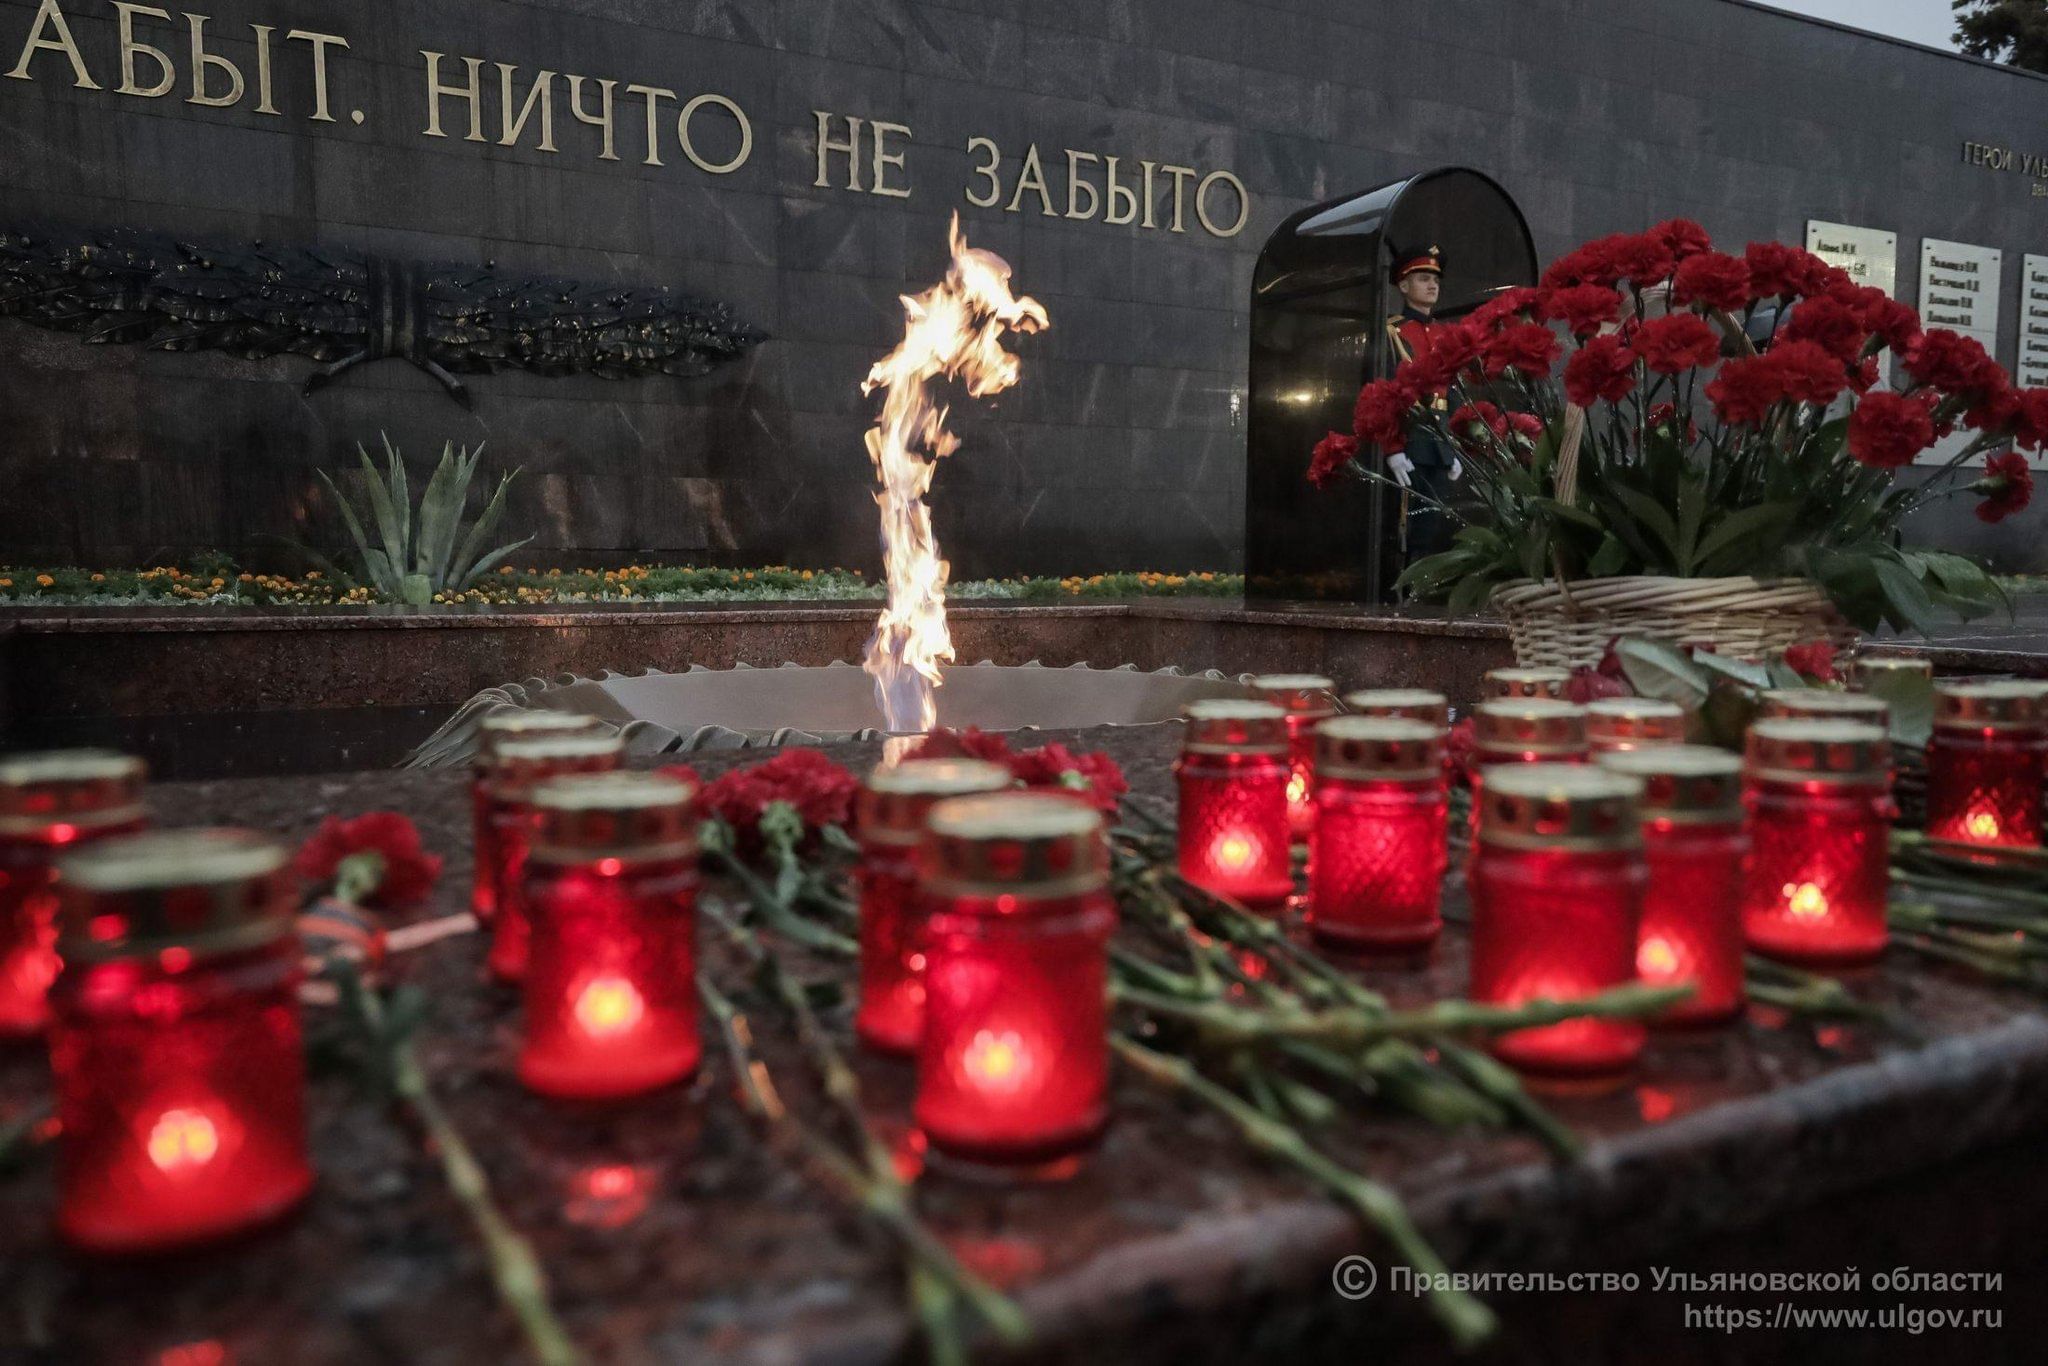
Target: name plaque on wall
column 1870, row 256
column 2031, row 367
column 1959, row 291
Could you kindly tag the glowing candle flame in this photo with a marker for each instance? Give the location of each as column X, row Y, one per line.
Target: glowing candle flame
column 1233, row 853
column 1982, row 825
column 1656, row 959
column 1804, row 901
column 997, row 1061
column 1297, row 788
column 953, row 330
column 607, row 1006
column 181, row 1141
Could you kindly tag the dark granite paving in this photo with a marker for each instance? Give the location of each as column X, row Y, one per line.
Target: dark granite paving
column 670, row 1235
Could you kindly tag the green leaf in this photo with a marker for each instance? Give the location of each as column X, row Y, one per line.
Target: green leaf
column 1905, row 594
column 1692, row 510
column 441, row 515
column 1734, row 542
column 1566, row 512
column 465, row 568
column 1656, row 669
column 1740, row 670
column 1651, row 516
column 390, row 532
column 1610, row 559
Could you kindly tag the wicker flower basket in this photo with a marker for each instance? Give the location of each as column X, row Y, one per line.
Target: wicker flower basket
column 1567, row 625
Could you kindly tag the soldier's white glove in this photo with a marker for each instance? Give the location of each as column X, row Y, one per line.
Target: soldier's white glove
column 1401, row 467
column 1457, row 469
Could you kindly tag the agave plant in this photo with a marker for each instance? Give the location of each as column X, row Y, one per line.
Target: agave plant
column 419, row 553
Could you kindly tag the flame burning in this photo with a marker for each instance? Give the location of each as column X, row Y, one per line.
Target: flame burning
column 954, row 330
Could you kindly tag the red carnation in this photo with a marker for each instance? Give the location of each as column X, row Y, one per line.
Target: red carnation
column 1815, row 660
column 1452, row 347
column 1596, row 263
column 1683, row 238
column 1525, row 427
column 1459, row 745
column 2007, row 486
column 1994, row 410
column 1583, row 309
column 1519, row 302
column 1808, row 371
column 1952, row 363
column 1530, row 348
column 1713, row 280
column 1895, row 323
column 1480, row 414
column 1601, row 369
column 1051, row 767
column 1746, row 390
column 820, row 791
column 1329, row 458
column 1863, row 375
column 1381, row 415
column 1888, row 430
column 1776, row 270
column 1589, row 684
column 1675, row 344
column 1644, row 259
column 1664, row 418
column 1828, row 323
column 2033, row 419
column 404, row 871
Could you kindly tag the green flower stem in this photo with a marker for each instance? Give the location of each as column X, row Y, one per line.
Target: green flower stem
column 871, row 1185
column 1496, row 1084
column 1983, row 886
column 1229, row 1026
column 779, row 914
column 1468, row 1321
column 515, row 1271
column 1811, row 995
column 1910, row 915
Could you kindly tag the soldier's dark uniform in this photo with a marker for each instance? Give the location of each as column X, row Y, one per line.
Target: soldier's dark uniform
column 1426, row 529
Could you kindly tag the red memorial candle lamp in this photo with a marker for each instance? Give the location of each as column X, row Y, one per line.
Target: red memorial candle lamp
column 1557, row 880
column 1824, row 704
column 1233, row 772
column 1615, row 724
column 1309, row 700
column 1414, row 704
column 1531, row 730
column 1526, row 683
column 611, row 901
column 1881, row 673
column 1986, row 763
column 1694, row 845
column 50, row 803
column 174, row 1041
column 889, row 823
column 517, row 766
column 1013, row 1069
column 1819, row 799
column 504, row 725
column 1381, row 840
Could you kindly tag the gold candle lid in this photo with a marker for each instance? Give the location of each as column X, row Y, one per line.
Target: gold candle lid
column 1221, row 725
column 1995, row 704
column 1310, row 695
column 1417, row 704
column 517, row 763
column 1560, row 806
column 1804, row 749
column 1686, row 784
column 1542, row 726
column 205, row 891
column 624, row 815
column 1541, row 682
column 1825, row 704
column 1379, row 747
column 1033, row 844
column 87, row 788
column 1869, row 668
column 520, row 721
column 1633, row 722
column 893, row 802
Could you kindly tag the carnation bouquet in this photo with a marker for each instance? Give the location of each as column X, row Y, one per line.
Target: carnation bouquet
column 1714, row 415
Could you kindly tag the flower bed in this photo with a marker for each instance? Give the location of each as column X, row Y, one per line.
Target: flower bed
column 220, row 583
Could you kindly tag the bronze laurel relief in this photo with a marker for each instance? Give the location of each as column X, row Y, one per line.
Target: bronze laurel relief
column 344, row 308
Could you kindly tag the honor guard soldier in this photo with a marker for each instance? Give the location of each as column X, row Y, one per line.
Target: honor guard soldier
column 1429, row 466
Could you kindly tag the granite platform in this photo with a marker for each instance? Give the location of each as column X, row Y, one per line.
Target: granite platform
column 671, row 1235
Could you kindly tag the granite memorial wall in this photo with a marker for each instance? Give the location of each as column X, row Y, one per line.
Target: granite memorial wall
column 797, row 162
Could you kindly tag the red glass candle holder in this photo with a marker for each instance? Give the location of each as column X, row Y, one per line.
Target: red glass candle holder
column 611, row 903
column 1013, row 1069
column 1819, row 799
column 174, row 1041
column 1986, row 763
column 1235, row 838
column 1557, row 880
column 1616, row 724
column 519, row 765
column 1523, row 684
column 504, row 725
column 1522, row 730
column 1412, row 704
column 1381, row 840
column 1824, row 704
column 889, row 823
column 49, row 804
column 1694, row 845
column 1309, row 700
